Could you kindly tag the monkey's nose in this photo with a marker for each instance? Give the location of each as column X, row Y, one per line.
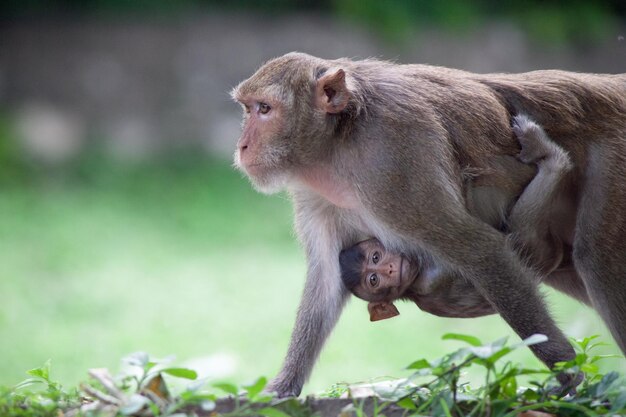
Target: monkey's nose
column 243, row 148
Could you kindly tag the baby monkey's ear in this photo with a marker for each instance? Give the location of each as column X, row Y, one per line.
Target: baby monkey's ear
column 382, row 310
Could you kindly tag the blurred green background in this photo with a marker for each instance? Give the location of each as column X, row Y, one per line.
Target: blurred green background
column 123, row 226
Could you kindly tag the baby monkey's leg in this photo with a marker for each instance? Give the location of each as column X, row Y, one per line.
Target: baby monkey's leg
column 529, row 221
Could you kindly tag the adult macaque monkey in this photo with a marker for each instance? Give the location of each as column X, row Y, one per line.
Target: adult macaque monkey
column 370, row 148
column 374, row 274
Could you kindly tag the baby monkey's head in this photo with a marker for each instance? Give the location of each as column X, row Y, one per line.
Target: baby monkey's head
column 376, row 275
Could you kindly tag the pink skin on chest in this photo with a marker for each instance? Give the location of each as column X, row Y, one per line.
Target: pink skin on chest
column 331, row 187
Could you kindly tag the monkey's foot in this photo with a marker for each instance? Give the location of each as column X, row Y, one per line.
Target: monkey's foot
column 569, row 382
column 282, row 388
column 537, row 147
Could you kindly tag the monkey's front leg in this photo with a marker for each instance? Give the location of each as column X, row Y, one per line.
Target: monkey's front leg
column 322, row 300
column 319, row 310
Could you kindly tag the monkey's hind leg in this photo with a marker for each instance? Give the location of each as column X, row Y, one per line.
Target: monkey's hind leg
column 529, row 220
column 599, row 250
column 538, row 148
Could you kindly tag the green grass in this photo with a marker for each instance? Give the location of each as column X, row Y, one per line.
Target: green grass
column 183, row 257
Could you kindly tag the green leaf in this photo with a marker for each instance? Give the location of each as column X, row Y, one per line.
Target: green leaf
column 580, row 358
column 484, row 352
column 606, row 382
column 472, row 340
column 28, row 382
column 444, row 407
column 43, row 372
column 530, row 395
column 595, row 345
column 589, row 368
column 156, row 411
column 500, row 353
column 189, row 397
column 526, row 371
column 499, row 348
column 420, row 364
column 509, row 387
column 227, row 388
column 601, row 357
column 272, row 412
column 263, row 398
column 620, row 402
column 181, row 373
column 255, row 388
column 407, row 404
column 583, row 343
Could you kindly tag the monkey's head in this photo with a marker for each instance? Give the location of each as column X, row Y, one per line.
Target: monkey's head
column 292, row 107
column 374, row 274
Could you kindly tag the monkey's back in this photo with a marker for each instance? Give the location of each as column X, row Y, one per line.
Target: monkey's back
column 476, row 109
column 563, row 102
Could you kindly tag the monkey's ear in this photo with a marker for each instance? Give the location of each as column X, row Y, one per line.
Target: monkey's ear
column 332, row 93
column 382, row 310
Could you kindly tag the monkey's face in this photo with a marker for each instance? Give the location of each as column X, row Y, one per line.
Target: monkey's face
column 260, row 153
column 291, row 107
column 386, row 275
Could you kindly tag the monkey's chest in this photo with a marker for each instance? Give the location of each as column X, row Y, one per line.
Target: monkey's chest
column 333, row 189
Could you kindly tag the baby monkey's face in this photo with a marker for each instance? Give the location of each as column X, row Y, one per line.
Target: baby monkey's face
column 386, row 275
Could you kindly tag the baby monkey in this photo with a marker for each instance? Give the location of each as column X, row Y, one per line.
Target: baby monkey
column 379, row 276
column 374, row 274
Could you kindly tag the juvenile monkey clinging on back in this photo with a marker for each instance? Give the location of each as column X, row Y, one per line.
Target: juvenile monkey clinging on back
column 370, row 148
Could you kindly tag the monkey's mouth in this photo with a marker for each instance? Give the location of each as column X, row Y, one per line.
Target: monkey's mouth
column 255, row 170
column 250, row 166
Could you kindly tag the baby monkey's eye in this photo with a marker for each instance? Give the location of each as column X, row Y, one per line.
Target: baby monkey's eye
column 373, row 280
column 376, row 257
column 264, row 108
column 246, row 108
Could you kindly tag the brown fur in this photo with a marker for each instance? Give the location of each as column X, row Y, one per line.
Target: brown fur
column 449, row 295
column 391, row 164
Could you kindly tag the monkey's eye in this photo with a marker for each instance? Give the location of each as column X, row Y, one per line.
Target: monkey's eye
column 264, row 108
column 246, row 108
column 376, row 257
column 373, row 280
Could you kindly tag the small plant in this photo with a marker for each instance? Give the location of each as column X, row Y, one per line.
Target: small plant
column 336, row 390
column 502, row 395
column 50, row 400
column 434, row 388
column 140, row 389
